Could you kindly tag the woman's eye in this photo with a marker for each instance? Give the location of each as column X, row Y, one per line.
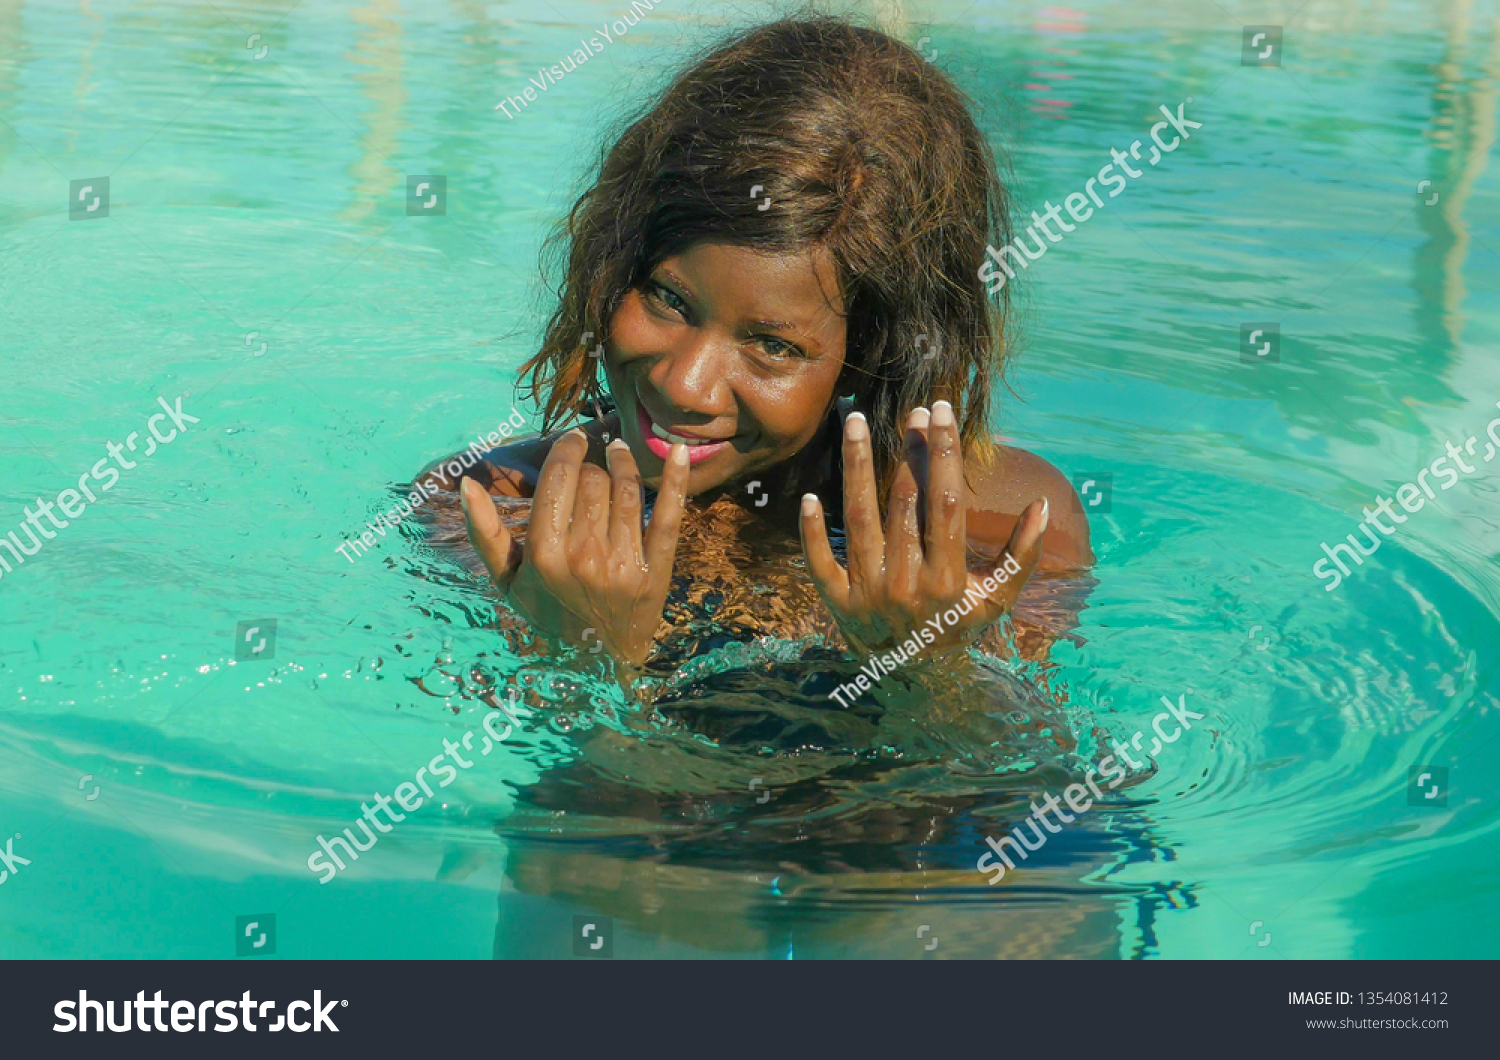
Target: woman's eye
column 668, row 297
column 778, row 349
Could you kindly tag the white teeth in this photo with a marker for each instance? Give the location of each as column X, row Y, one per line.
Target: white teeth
column 668, row 436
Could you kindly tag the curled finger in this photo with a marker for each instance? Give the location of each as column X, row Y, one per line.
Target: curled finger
column 499, row 551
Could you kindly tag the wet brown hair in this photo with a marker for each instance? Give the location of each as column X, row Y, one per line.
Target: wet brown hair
column 863, row 148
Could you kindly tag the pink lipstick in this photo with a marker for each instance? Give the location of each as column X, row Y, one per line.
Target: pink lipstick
column 660, row 440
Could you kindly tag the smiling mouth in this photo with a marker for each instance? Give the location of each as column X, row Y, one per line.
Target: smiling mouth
column 659, row 440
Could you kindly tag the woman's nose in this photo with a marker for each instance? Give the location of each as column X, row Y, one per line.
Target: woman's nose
column 695, row 375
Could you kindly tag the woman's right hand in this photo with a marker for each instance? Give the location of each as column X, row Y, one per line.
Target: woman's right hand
column 586, row 571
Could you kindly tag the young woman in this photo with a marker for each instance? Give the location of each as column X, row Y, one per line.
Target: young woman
column 773, row 283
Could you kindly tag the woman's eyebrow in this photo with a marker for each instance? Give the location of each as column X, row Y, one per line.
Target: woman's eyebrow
column 805, row 336
column 678, row 280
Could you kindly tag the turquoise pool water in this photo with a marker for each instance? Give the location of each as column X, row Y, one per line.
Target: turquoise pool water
column 258, row 261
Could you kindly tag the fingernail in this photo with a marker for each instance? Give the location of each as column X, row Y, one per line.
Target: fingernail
column 855, row 427
column 1046, row 512
column 463, row 495
column 809, row 504
column 942, row 414
column 679, row 454
column 919, row 419
column 618, row 442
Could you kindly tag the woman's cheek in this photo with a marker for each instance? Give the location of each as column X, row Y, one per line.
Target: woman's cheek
column 796, row 408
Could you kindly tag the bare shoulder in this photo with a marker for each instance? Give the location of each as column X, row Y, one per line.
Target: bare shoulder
column 1002, row 487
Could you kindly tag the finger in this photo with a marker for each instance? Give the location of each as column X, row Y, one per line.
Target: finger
column 552, row 503
column 917, row 425
column 500, row 553
column 947, row 497
column 624, row 502
column 590, row 529
column 666, row 515
column 830, row 578
column 903, row 539
column 1022, row 553
column 861, row 507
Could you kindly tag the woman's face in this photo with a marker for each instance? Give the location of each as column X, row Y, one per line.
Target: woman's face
column 735, row 352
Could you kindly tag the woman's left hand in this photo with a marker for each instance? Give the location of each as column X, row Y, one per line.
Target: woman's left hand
column 900, row 582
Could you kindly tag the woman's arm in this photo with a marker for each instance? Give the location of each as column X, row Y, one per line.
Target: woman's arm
column 998, row 492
